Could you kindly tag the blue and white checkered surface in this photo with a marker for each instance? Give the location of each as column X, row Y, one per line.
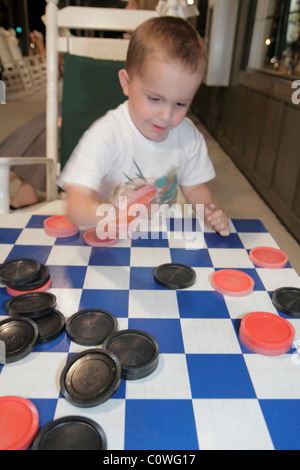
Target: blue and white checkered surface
column 209, row 391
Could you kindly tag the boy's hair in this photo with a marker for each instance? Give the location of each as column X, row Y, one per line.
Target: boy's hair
column 167, row 38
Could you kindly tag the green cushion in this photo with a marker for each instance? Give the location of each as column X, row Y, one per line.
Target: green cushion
column 90, row 88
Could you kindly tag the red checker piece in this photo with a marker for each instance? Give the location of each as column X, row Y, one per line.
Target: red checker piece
column 266, row 333
column 19, row 423
column 15, row 292
column 90, row 238
column 232, row 282
column 267, row 257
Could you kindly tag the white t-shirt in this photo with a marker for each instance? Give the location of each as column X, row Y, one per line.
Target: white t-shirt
column 113, row 158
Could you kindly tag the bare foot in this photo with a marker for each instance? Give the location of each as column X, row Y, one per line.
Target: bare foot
column 26, row 196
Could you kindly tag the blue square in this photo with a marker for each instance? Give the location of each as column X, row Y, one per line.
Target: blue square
column 214, row 240
column 258, row 284
column 187, row 224
column 67, row 277
column 248, row 225
column 4, row 298
column 110, row 256
column 196, row 258
column 75, row 240
column 219, row 376
column 159, row 425
column 59, row 344
column 142, row 278
column 46, row 409
column 9, row 235
column 37, row 221
column 121, row 392
column 154, row 240
column 114, row 301
column 167, row 333
column 38, row 252
column 201, row 304
column 283, row 421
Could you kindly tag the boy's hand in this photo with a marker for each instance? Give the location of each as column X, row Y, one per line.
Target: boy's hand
column 216, row 219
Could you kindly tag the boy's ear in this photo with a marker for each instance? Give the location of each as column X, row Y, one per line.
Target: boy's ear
column 124, row 81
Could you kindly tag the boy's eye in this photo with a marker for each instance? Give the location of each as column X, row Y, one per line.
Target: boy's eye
column 153, row 98
column 182, row 105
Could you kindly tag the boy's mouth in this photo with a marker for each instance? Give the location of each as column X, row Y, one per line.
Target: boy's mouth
column 158, row 129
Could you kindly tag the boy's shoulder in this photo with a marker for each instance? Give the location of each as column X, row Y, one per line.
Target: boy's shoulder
column 189, row 128
column 111, row 117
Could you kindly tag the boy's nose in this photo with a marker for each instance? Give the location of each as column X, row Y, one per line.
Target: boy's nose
column 165, row 113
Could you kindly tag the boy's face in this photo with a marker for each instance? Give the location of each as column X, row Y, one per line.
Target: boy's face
column 159, row 96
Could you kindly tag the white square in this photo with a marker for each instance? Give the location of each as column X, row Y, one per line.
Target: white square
column 15, row 220
column 106, row 415
column 275, row 278
column 107, row 277
column 69, row 255
column 274, row 377
column 187, row 240
column 5, row 249
column 149, row 256
column 253, row 240
column 209, row 336
column 67, row 300
column 152, row 304
column 34, row 236
column 257, row 301
column 29, row 378
column 231, row 425
column 169, row 381
column 202, row 282
column 296, row 344
column 230, row 258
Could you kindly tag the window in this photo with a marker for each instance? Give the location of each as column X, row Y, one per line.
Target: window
column 275, row 44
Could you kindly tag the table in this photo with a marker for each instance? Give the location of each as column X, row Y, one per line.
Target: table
column 209, row 391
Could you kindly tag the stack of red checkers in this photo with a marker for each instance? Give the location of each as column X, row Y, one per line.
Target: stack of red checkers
column 267, row 257
column 19, row 423
column 60, row 227
column 266, row 334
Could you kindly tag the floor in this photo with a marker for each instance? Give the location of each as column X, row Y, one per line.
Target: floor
column 231, row 189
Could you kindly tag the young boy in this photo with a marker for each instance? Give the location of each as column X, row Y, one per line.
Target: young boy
column 147, row 140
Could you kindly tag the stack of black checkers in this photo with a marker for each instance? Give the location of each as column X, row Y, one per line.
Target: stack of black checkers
column 92, row 376
column 32, row 320
column 22, row 275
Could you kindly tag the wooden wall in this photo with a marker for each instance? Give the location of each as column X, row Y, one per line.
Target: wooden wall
column 257, row 124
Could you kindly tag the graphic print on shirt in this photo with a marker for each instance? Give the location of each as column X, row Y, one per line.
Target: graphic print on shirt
column 142, row 190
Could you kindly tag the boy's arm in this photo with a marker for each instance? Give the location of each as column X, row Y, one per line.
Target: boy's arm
column 82, row 205
column 214, row 217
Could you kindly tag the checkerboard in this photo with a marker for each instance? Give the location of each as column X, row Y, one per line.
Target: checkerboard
column 209, row 391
